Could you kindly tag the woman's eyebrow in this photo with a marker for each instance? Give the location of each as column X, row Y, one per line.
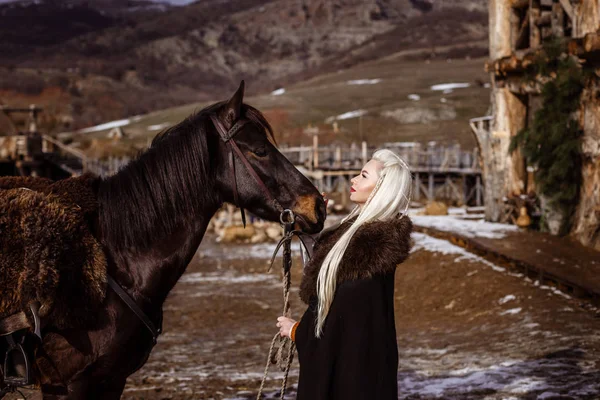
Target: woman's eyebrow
column 364, row 172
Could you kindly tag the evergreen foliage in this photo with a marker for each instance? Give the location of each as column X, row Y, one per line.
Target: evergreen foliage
column 552, row 143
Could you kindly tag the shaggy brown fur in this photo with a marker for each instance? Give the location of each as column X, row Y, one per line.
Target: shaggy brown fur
column 48, row 254
column 376, row 248
column 81, row 191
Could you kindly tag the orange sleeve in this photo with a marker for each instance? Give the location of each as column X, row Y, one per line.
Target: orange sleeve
column 293, row 331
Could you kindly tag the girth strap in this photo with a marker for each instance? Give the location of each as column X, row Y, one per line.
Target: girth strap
column 134, row 307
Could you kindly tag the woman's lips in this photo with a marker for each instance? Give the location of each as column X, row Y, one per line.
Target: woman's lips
column 352, row 190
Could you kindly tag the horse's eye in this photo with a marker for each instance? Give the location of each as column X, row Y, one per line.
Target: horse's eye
column 261, row 152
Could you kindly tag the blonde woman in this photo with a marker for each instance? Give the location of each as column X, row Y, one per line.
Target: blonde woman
column 346, row 339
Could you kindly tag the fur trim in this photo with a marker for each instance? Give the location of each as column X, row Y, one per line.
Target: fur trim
column 48, row 254
column 376, row 248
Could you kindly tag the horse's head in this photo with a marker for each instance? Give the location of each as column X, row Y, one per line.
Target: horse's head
column 284, row 186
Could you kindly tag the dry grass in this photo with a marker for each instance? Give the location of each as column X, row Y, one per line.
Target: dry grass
column 315, row 100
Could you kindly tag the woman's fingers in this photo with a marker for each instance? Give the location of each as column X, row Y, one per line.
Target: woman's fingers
column 285, row 325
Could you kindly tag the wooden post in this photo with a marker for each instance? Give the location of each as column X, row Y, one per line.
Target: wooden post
column 338, row 157
column 364, row 152
column 417, row 191
column 514, row 28
column 465, row 190
column 478, row 191
column 558, row 20
column 315, row 152
column 535, row 35
column 430, row 193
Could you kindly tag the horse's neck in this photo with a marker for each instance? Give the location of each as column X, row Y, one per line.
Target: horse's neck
column 155, row 272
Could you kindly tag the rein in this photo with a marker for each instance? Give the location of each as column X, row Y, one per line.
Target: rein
column 282, row 349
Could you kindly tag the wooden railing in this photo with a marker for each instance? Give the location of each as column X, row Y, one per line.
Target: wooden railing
column 102, row 168
column 420, row 158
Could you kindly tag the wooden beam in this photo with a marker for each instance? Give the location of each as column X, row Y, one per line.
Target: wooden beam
column 535, row 35
column 568, row 8
column 514, row 29
column 544, row 19
column 523, row 32
column 558, row 20
column 591, row 42
column 519, row 3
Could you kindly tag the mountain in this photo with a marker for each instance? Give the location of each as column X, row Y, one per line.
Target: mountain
column 105, row 59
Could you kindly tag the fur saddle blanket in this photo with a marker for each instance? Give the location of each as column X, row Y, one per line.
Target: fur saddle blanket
column 48, row 252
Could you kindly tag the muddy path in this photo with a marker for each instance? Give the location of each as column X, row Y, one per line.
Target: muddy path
column 467, row 329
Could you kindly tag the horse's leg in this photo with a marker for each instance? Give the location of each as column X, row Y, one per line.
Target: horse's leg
column 79, row 389
column 109, row 390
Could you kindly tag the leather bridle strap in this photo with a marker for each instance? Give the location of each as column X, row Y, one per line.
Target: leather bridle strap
column 227, row 137
column 134, row 307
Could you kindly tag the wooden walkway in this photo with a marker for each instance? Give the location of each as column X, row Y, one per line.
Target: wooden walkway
column 559, row 262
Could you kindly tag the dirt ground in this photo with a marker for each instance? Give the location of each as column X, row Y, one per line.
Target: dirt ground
column 466, row 330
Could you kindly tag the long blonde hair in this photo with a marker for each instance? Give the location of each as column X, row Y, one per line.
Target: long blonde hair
column 390, row 197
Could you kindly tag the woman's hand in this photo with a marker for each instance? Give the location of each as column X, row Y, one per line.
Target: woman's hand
column 285, row 326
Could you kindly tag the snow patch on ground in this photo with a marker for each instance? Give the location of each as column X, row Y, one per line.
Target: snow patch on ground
column 428, row 243
column 468, row 228
column 505, row 380
column 347, row 115
column 512, row 311
column 449, row 86
column 109, row 125
column 227, row 278
column 158, row 127
column 506, row 299
column 242, row 252
column 363, row 81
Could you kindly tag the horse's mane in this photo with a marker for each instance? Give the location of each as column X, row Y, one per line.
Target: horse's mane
column 165, row 186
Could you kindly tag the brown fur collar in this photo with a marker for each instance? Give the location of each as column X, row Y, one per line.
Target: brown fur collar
column 376, row 248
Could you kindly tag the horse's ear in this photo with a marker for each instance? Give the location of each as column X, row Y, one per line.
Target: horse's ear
column 233, row 109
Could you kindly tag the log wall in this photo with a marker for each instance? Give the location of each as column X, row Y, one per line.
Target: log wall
column 517, row 29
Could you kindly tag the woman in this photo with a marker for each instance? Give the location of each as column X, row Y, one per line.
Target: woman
column 346, row 339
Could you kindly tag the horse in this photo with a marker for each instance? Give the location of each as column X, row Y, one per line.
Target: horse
column 152, row 216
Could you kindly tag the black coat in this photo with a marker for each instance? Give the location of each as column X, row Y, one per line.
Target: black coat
column 357, row 355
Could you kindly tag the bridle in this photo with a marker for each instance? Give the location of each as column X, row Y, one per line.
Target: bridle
column 227, row 137
column 286, row 217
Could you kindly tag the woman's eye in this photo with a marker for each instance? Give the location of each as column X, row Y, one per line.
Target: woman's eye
column 363, row 175
column 260, row 152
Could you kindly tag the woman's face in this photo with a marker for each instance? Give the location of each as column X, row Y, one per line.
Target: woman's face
column 364, row 183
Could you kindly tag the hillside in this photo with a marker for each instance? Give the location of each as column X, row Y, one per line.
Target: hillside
column 106, row 64
column 398, row 100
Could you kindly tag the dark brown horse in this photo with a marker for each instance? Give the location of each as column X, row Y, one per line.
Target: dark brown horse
column 153, row 215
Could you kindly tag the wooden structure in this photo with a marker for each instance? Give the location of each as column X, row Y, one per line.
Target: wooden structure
column 518, row 30
column 26, row 151
column 445, row 173
column 439, row 172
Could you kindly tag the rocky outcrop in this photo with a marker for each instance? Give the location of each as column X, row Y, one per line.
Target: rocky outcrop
column 122, row 65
